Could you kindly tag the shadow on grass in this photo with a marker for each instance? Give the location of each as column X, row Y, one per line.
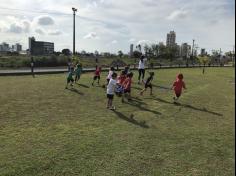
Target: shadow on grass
column 75, row 91
column 162, row 87
column 189, row 106
column 82, row 85
column 137, row 88
column 138, row 105
column 131, row 120
column 138, row 101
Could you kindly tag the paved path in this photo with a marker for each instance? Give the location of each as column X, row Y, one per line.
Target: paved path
column 55, row 70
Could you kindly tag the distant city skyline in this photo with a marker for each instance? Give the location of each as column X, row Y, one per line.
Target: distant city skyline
column 110, row 25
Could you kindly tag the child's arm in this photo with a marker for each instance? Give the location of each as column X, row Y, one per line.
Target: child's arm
column 184, row 86
column 173, row 86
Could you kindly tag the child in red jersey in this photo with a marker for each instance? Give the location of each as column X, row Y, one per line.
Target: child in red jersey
column 120, row 81
column 178, row 85
column 97, row 74
column 127, row 86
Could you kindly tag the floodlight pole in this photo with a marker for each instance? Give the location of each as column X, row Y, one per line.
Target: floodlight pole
column 74, row 12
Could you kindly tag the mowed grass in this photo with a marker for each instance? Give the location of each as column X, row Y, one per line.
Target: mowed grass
column 46, row 130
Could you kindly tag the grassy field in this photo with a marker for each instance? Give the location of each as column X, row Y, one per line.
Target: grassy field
column 46, row 130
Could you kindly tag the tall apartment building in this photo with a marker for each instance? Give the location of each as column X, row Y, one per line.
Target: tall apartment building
column 185, row 50
column 4, row 47
column 171, row 39
column 17, row 47
column 40, row 47
column 131, row 52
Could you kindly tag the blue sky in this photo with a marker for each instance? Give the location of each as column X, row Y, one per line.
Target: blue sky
column 111, row 25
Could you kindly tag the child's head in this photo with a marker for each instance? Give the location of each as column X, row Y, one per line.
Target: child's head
column 130, row 75
column 123, row 73
column 180, row 76
column 112, row 69
column 114, row 76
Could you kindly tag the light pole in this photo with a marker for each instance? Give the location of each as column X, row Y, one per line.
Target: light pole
column 193, row 49
column 74, row 12
column 233, row 56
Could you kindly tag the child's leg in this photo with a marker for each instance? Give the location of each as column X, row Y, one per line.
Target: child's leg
column 151, row 90
column 108, row 103
column 98, row 79
column 143, row 73
column 139, row 75
column 141, row 93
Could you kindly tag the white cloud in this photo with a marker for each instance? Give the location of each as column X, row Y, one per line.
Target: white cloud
column 178, row 14
column 132, row 40
column 114, row 42
column 144, row 42
column 211, row 23
column 45, row 20
column 39, row 31
column 91, row 35
column 55, row 32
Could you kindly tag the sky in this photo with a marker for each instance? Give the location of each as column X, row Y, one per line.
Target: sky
column 112, row 25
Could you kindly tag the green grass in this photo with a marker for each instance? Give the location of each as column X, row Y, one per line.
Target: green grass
column 46, row 130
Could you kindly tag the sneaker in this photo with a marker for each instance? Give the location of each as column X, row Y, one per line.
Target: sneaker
column 113, row 108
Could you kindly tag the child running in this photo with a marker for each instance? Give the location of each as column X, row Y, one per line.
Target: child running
column 111, row 71
column 70, row 78
column 178, row 85
column 111, row 91
column 127, row 87
column 97, row 74
column 148, row 83
column 78, row 72
column 127, row 69
column 120, row 81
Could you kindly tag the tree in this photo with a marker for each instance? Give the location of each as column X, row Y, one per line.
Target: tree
column 66, row 52
column 120, row 54
column 155, row 49
column 137, row 54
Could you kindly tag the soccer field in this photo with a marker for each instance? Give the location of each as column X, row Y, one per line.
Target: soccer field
column 46, row 130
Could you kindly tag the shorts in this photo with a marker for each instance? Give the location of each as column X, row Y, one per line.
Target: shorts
column 110, row 97
column 148, row 85
column 70, row 80
column 96, row 77
column 177, row 94
column 127, row 91
column 78, row 76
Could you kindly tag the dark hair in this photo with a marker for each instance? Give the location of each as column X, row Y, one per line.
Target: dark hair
column 180, row 76
column 130, row 75
column 112, row 68
column 123, row 72
column 114, row 75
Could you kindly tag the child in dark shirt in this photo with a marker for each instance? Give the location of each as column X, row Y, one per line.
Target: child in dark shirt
column 148, row 83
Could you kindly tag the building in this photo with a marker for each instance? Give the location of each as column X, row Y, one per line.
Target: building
column 4, row 47
column 171, row 39
column 131, row 52
column 17, row 47
column 203, row 52
column 40, row 47
column 185, row 50
column 178, row 50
